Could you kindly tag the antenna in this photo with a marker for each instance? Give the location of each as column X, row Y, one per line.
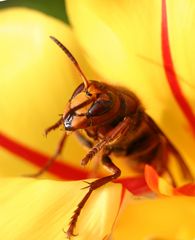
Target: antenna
column 74, row 61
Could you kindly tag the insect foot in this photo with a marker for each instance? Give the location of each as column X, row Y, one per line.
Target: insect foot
column 74, row 218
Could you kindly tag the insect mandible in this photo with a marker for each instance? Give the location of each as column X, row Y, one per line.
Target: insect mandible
column 115, row 122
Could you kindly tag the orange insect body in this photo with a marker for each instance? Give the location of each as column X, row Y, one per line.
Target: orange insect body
column 115, row 121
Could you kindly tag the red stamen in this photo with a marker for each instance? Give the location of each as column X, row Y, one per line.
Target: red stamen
column 61, row 170
column 171, row 74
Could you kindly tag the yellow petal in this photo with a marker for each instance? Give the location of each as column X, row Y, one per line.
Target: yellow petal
column 168, row 218
column 116, row 43
column 37, row 79
column 125, row 47
column 41, row 209
column 180, row 15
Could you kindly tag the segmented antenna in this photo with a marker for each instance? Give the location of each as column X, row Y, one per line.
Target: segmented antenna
column 74, row 61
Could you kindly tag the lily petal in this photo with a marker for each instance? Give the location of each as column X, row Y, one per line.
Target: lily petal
column 181, row 20
column 35, row 212
column 37, row 79
column 165, row 218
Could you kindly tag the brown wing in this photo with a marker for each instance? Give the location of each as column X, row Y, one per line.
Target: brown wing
column 171, row 148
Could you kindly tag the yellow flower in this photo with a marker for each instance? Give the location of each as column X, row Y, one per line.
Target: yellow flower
column 147, row 47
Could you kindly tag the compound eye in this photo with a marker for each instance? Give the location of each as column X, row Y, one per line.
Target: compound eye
column 99, row 108
column 78, row 90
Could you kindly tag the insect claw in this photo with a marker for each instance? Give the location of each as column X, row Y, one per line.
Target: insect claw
column 70, row 233
column 48, row 130
column 83, row 163
column 45, row 133
column 86, row 159
column 86, row 182
column 86, row 187
column 89, row 184
column 53, row 127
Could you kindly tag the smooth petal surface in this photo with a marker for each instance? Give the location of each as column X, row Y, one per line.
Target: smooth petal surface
column 41, row 209
column 36, row 81
column 181, row 15
column 166, row 218
column 126, row 48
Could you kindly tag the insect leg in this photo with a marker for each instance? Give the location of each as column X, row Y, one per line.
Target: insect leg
column 54, row 126
column 52, row 159
column 184, row 168
column 172, row 149
column 115, row 133
column 107, row 162
column 86, row 142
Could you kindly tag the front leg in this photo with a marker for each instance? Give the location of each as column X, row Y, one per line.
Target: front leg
column 113, row 135
column 97, row 159
column 83, row 140
column 107, row 162
column 58, row 151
